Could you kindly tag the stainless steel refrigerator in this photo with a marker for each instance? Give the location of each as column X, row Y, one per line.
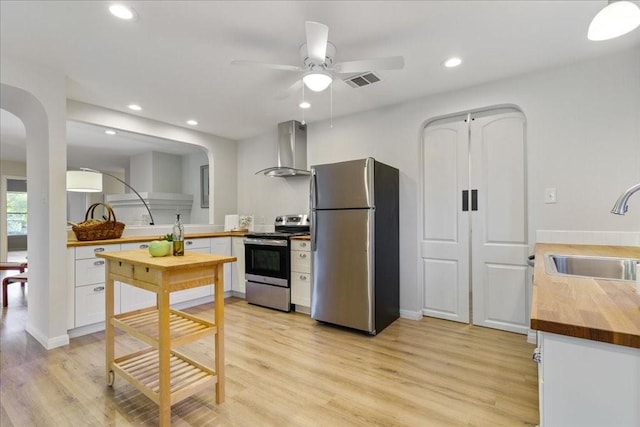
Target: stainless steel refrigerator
column 355, row 244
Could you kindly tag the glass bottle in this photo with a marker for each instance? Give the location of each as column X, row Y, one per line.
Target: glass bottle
column 178, row 237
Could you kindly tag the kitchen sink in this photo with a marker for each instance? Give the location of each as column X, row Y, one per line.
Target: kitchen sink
column 592, row 266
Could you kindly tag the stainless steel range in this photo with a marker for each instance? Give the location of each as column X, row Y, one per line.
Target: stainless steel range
column 268, row 262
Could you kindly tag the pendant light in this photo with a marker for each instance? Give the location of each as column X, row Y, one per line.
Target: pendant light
column 616, row 19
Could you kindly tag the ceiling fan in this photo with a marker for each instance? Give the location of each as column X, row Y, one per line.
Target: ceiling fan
column 318, row 54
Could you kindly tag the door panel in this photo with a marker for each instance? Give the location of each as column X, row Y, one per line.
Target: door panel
column 445, row 228
column 499, row 226
column 342, row 279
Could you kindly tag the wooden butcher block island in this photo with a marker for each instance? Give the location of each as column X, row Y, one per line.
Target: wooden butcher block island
column 161, row 372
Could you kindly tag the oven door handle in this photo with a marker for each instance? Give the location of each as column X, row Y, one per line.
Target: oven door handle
column 265, row 242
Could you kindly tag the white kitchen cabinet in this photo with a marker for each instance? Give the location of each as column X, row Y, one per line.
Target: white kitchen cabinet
column 222, row 246
column 131, row 297
column 584, row 383
column 194, row 245
column 237, row 270
column 89, row 291
column 474, row 242
column 301, row 274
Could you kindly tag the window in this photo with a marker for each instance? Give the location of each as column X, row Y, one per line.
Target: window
column 16, row 213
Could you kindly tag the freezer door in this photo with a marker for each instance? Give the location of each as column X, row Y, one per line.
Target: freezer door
column 342, row 266
column 342, row 185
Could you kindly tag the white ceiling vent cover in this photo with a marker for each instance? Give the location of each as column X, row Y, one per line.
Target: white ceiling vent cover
column 360, row 80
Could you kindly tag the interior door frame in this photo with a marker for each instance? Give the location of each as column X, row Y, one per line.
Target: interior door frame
column 492, row 109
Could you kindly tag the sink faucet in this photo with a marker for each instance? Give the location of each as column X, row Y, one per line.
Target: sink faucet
column 620, row 208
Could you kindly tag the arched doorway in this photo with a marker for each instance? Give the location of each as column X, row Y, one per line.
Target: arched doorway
column 46, row 315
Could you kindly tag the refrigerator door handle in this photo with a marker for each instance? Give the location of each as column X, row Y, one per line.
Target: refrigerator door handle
column 313, row 196
column 313, row 231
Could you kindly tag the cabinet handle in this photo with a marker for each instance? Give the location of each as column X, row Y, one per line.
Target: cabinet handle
column 303, row 244
column 303, row 277
column 536, row 356
column 144, row 246
column 303, row 255
column 189, row 242
column 98, row 250
column 98, row 289
column 101, row 262
column 474, row 200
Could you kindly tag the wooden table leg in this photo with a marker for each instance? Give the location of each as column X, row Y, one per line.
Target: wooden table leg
column 164, row 352
column 219, row 337
column 109, row 332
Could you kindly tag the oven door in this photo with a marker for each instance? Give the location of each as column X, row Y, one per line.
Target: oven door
column 267, row 261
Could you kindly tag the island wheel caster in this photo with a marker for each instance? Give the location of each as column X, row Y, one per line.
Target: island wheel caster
column 110, row 378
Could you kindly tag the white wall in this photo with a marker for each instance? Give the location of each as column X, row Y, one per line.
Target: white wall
column 583, row 136
column 262, row 196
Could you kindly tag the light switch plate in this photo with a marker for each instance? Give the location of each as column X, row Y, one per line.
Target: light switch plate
column 549, row 195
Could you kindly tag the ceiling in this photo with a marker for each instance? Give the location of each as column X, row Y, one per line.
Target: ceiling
column 175, row 59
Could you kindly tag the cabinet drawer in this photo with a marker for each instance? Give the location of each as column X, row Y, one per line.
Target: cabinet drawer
column 300, row 245
column 89, row 271
column 301, row 261
column 196, row 244
column 301, row 289
column 134, row 246
column 83, row 252
column 90, row 304
column 121, row 268
column 148, row 275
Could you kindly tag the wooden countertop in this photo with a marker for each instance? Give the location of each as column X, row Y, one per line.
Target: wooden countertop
column 301, row 238
column 141, row 257
column 134, row 239
column 583, row 307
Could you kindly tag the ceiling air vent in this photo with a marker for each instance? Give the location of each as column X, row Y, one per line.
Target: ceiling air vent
column 364, row 79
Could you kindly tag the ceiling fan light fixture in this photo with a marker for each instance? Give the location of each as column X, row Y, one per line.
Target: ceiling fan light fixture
column 452, row 62
column 123, row 12
column 616, row 19
column 317, row 81
column 304, row 105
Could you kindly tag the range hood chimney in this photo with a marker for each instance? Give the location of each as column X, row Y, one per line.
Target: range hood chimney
column 292, row 151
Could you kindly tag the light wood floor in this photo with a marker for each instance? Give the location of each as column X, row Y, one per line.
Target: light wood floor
column 284, row 370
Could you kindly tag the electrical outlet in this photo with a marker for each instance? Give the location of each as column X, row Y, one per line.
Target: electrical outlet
column 549, row 195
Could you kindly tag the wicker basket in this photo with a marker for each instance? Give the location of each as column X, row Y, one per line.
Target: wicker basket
column 98, row 229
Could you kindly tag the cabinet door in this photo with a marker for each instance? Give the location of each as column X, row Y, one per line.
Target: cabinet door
column 132, row 298
column 237, row 269
column 301, row 288
column 222, row 246
column 90, row 304
column 193, row 293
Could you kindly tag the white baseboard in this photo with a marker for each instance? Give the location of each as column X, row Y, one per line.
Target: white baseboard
column 532, row 337
column 46, row 342
column 411, row 315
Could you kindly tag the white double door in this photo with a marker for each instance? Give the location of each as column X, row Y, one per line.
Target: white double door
column 473, row 246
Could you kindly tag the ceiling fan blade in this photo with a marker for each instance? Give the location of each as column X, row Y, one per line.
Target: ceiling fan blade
column 317, row 38
column 390, row 63
column 295, row 87
column 266, row 65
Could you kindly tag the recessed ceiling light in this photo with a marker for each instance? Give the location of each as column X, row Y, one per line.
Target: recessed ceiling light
column 305, row 105
column 110, row 132
column 452, row 62
column 121, row 11
column 135, row 107
column 192, row 122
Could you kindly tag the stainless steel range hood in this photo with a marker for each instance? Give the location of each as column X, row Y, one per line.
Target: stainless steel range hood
column 292, row 151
